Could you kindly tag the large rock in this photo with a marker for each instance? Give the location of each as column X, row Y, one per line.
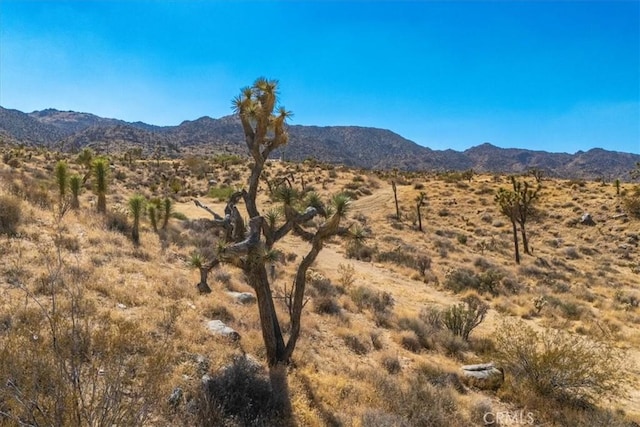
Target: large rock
column 217, row 327
column 484, row 376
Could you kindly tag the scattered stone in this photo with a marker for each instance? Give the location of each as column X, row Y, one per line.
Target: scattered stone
column 586, row 219
column 121, row 306
column 217, row 327
column 484, row 376
column 202, row 364
column 242, row 297
column 176, row 397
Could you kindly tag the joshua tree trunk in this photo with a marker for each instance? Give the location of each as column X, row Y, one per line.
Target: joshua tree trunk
column 525, row 241
column 515, row 241
column 395, row 196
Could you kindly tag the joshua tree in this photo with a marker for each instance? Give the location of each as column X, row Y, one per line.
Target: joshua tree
column 152, row 213
column 167, row 210
column 517, row 205
column 526, row 198
column 100, row 173
column 420, row 202
column 395, row 197
column 75, row 185
column 249, row 247
column 136, row 208
column 508, row 203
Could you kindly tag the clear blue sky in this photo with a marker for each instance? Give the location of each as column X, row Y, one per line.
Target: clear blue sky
column 557, row 76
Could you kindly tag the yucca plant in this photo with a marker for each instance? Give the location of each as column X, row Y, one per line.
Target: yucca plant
column 75, row 185
column 136, row 208
column 100, row 173
column 62, row 178
column 152, row 213
column 167, row 210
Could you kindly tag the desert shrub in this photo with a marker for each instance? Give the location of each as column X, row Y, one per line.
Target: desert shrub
column 410, row 341
column 239, row 394
column 463, row 318
column 10, row 215
column 415, row 402
column 347, row 275
column 423, row 331
column 391, row 364
column 320, row 285
column 218, row 312
column 326, row 305
column 490, row 281
column 460, row 279
column 364, row 297
column 559, row 364
column 355, row 344
column 452, row 344
column 67, row 365
column 221, row 193
column 631, row 202
column 360, row 252
column 117, row 221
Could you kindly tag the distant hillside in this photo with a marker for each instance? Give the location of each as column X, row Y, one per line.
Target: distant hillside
column 360, row 147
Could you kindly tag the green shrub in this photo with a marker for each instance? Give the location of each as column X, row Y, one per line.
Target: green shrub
column 364, row 297
column 463, row 318
column 221, row 193
column 10, row 215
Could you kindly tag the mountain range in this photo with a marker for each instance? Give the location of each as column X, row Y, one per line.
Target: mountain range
column 354, row 146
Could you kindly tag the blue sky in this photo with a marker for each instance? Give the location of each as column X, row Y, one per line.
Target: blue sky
column 556, row 76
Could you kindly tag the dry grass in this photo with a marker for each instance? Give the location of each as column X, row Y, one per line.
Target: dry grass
column 81, row 306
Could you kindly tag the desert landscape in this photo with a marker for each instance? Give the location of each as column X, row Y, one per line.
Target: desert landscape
column 125, row 301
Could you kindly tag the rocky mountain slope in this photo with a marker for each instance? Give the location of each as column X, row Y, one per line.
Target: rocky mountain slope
column 354, row 146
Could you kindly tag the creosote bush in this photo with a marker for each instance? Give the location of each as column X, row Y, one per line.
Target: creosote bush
column 10, row 215
column 239, row 394
column 560, row 365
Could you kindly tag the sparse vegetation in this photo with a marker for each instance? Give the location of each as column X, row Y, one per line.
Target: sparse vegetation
column 97, row 331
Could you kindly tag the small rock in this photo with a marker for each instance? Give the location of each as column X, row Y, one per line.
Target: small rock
column 202, row 364
column 242, row 297
column 484, row 376
column 586, row 219
column 176, row 397
column 217, row 327
column 121, row 306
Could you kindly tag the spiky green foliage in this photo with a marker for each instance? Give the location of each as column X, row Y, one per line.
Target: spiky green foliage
column 100, row 175
column 85, row 158
column 75, row 185
column 287, row 195
column 62, row 178
column 341, row 203
column 152, row 213
column 313, row 200
column 136, row 208
column 167, row 210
